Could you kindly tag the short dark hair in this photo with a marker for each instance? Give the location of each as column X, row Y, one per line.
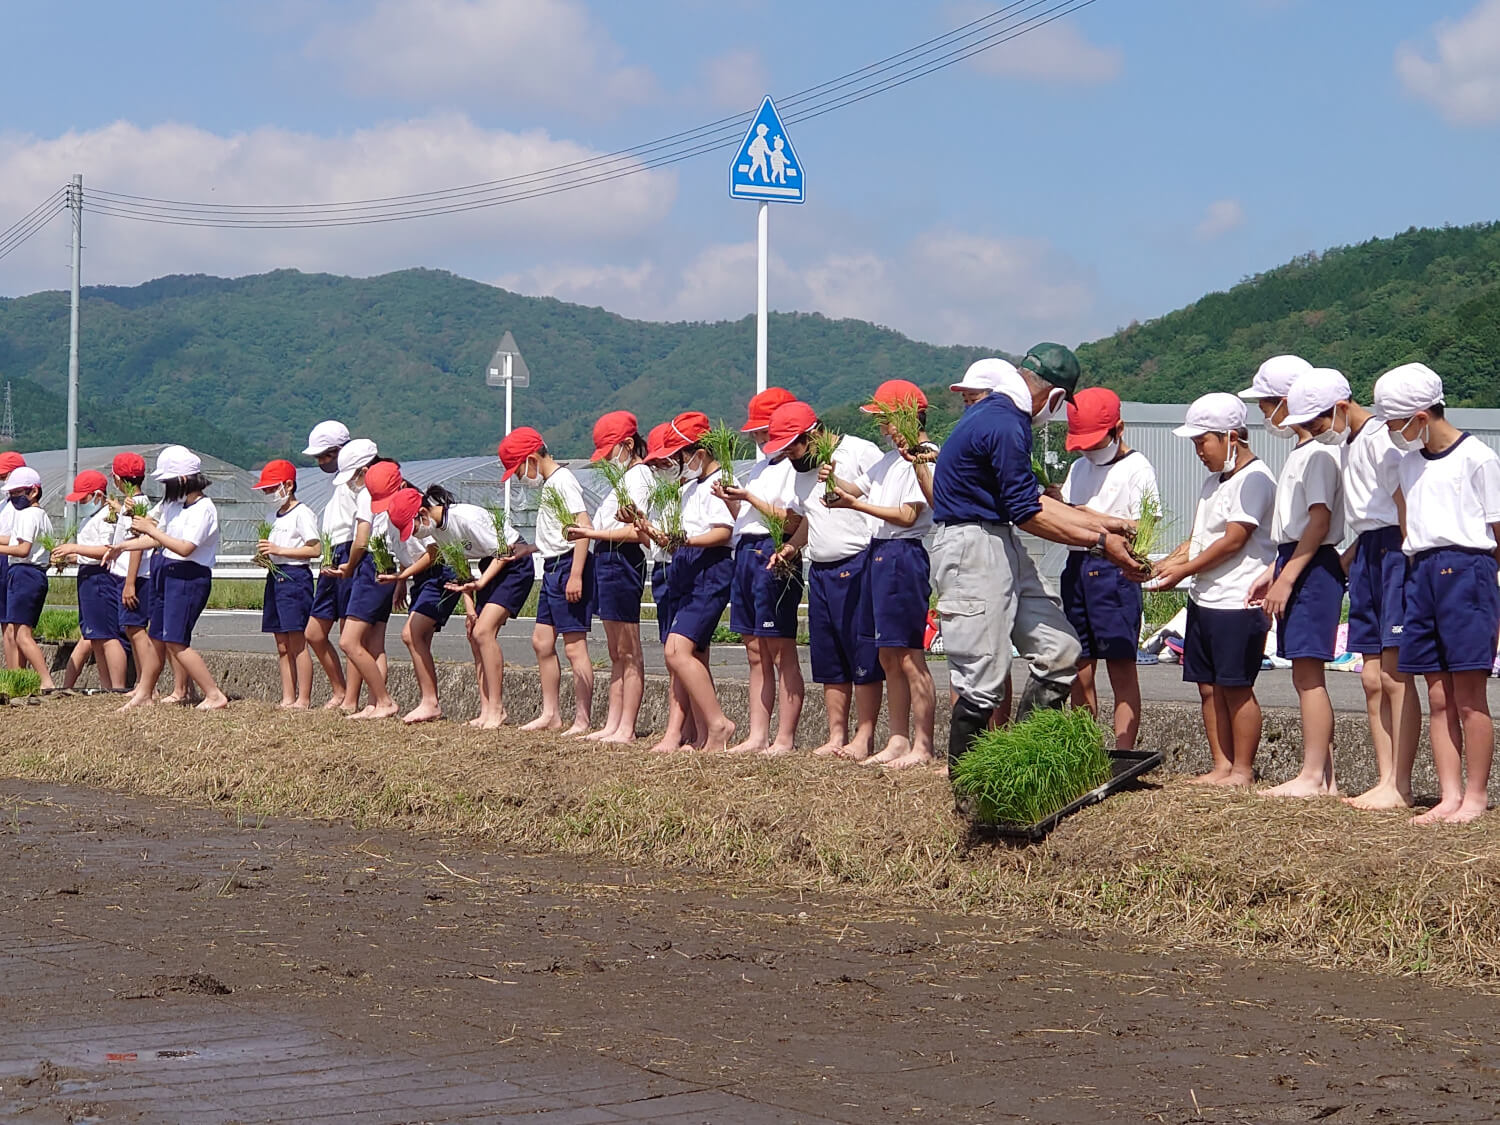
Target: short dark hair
column 437, row 495
column 178, row 487
column 1435, row 410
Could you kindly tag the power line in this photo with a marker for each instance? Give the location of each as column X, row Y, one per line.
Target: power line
column 993, row 30
column 20, row 232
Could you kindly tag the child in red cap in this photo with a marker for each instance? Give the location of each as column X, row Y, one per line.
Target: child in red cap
column 98, row 588
column 9, row 460
column 566, row 603
column 133, row 568
column 680, row 731
column 286, row 605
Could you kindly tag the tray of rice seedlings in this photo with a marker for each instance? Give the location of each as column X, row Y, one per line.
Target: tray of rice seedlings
column 456, row 559
column 1019, row 781
column 18, row 683
column 263, row 530
column 1151, row 527
column 58, row 625
column 904, row 419
column 380, row 555
column 824, row 445
column 665, row 504
column 501, row 519
column 555, row 504
column 723, row 445
column 326, row 559
column 613, row 476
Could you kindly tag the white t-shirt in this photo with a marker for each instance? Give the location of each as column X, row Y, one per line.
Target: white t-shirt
column 702, row 511
column 1372, row 474
column 474, row 528
column 296, row 528
column 1312, row 475
column 889, row 483
column 834, row 534
column 363, row 512
column 1452, row 497
column 404, row 553
column 771, row 482
column 29, row 526
column 7, row 515
column 1116, row 489
column 638, row 481
column 123, row 534
column 198, row 523
column 95, row 533
column 550, row 540
column 338, row 515
column 1247, row 497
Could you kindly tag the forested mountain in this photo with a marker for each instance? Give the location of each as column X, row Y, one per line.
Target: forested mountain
column 243, row 367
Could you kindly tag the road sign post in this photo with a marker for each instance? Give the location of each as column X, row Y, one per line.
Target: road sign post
column 767, row 170
column 506, row 367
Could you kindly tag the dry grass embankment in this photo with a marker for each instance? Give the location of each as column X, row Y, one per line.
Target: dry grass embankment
column 1315, row 882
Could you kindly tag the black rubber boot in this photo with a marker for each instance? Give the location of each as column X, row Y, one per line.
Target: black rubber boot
column 967, row 723
column 1042, row 695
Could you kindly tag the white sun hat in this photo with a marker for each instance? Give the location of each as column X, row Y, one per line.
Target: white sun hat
column 1275, row 377
column 1216, row 413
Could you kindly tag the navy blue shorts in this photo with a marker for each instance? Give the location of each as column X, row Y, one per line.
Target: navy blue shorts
column 331, row 595
column 183, row 590
column 25, row 594
column 1457, row 588
column 99, row 603
column 661, row 595
column 700, row 579
column 898, row 587
column 428, row 595
column 155, row 605
column 840, row 623
column 1223, row 646
column 553, row 607
column 1103, row 606
column 619, row 579
column 511, row 589
column 761, row 603
column 1377, row 594
column 1308, row 630
column 369, row 599
column 140, row 616
column 4, row 572
column 287, row 602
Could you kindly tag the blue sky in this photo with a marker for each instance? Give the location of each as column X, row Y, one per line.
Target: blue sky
column 1109, row 167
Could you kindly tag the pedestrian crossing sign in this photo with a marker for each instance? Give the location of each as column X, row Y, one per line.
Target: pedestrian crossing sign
column 766, row 166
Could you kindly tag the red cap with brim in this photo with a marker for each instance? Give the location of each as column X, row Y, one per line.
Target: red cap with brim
column 129, row 466
column 518, row 445
column 763, row 405
column 788, row 423
column 383, row 481
column 401, row 509
column 611, row 430
column 893, row 393
column 680, row 433
column 85, row 484
column 1093, row 412
column 10, row 461
column 274, row 475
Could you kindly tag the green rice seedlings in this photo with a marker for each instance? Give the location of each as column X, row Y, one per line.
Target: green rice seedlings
column 18, row 683
column 56, row 624
column 50, row 543
column 776, row 526
column 665, row 505
column 457, row 560
column 1150, row 530
column 380, row 555
column 613, row 476
column 1025, row 773
column 723, row 445
column 501, row 521
column 263, row 530
column 555, row 504
column 327, row 558
column 905, row 421
column 824, row 445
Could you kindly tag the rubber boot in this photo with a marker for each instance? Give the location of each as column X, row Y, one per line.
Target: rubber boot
column 967, row 723
column 1042, row 695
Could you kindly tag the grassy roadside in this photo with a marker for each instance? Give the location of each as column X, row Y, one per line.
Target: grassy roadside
column 1312, row 882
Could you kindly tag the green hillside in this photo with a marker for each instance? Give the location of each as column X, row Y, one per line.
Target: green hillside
column 401, row 359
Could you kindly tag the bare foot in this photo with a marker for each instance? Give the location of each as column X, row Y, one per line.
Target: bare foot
column 751, row 745
column 543, row 721
column 579, row 727
column 388, row 711
column 940, row 766
column 604, row 734
column 173, row 698
column 1212, row 777
column 216, row 702
column 1234, row 779
column 286, row 705
column 334, row 703
column 1385, row 795
column 136, row 701
column 829, row 748
column 779, row 750
column 718, row 738
column 896, row 747
column 619, row 739
column 1467, row 813
column 423, row 713
column 668, row 746
column 477, row 721
column 1301, row 787
column 909, row 759
column 1439, row 813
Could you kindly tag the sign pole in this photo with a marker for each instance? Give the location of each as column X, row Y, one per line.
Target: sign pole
column 764, row 240
column 509, row 384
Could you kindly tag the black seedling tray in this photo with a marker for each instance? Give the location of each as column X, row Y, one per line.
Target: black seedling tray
column 1125, row 767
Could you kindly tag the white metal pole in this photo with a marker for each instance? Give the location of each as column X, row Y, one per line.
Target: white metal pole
column 75, row 204
column 509, row 360
column 764, row 240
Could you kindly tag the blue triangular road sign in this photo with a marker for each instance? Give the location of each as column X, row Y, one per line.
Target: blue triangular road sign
column 766, row 165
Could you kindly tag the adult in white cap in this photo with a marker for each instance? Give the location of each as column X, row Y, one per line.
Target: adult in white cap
column 26, row 574
column 1230, row 545
column 993, row 375
column 331, row 594
column 1272, row 383
column 1451, row 482
column 1303, row 590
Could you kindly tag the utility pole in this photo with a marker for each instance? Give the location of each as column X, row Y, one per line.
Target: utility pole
column 507, row 368
column 763, row 243
column 75, row 206
column 7, row 420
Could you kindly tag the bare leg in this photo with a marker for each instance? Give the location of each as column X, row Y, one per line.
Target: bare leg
column 150, row 658
column 576, row 645
column 112, row 667
column 416, row 634
column 31, row 653
column 1472, row 704
column 288, row 670
column 317, row 632
column 354, row 637
column 353, row 678
column 836, row 701
column 790, row 690
column 698, row 683
column 78, row 660
column 194, row 669
column 677, row 735
column 1384, row 707
column 1446, row 730
column 8, row 637
column 302, row 662
column 1216, row 726
column 1085, row 694
column 490, row 661
column 912, row 671
column 627, row 670
column 616, row 693
column 1242, row 711
column 1316, row 777
column 544, row 644
column 867, row 706
column 762, row 698
column 898, row 711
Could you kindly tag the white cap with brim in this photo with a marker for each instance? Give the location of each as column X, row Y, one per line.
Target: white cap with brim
column 997, row 376
column 355, row 456
column 22, row 477
column 176, row 461
column 1275, row 377
column 1217, row 413
column 1320, row 390
column 1404, row 390
column 326, row 437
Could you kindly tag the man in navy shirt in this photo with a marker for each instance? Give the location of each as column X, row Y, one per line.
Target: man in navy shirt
column 983, row 491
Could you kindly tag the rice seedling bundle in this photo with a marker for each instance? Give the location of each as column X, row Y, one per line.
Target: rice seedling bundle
column 904, row 419
column 824, row 445
column 17, row 683
column 555, row 504
column 380, row 555
column 613, row 476
column 723, row 445
column 501, row 521
column 665, row 504
column 50, row 543
column 457, row 560
column 1150, row 530
column 327, row 541
column 263, row 530
column 1026, row 772
column 776, row 526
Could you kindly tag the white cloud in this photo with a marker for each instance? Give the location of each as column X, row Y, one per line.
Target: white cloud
column 1221, row 217
column 278, row 166
column 1054, row 52
column 544, row 53
column 1463, row 78
column 734, row 80
column 943, row 286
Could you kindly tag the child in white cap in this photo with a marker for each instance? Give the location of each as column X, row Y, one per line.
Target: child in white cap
column 26, row 576
column 331, row 593
column 1451, row 482
column 1230, row 546
column 1303, row 590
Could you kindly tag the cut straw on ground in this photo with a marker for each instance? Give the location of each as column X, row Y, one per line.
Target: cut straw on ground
column 1309, row 881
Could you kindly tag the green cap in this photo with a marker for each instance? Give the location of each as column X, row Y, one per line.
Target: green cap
column 1056, row 364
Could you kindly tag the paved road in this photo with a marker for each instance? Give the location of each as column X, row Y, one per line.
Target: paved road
column 239, row 631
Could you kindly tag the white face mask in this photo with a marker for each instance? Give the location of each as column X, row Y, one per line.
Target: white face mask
column 1103, row 455
column 1406, row 444
column 1278, row 431
column 528, row 481
column 1329, row 436
column 1055, row 408
column 669, row 471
